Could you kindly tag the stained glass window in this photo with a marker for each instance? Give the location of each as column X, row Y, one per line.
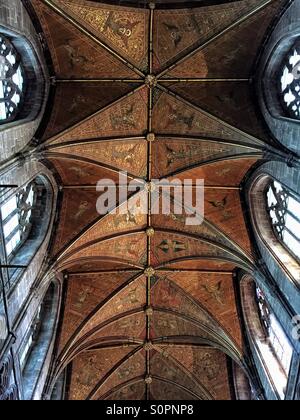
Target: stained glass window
column 284, row 211
column 11, row 81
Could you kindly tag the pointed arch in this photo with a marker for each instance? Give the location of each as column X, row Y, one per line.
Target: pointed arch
column 268, row 229
column 270, row 346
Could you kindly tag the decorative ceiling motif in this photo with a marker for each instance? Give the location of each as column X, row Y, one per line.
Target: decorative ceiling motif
column 150, row 308
column 179, row 32
column 124, row 29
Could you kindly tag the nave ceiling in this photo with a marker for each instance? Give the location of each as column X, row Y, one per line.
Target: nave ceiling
column 151, row 308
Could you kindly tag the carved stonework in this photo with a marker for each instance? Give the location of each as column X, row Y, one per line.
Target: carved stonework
column 8, row 390
column 151, row 137
column 3, row 327
column 150, row 232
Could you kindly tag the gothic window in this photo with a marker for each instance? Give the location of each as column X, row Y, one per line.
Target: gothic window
column 24, row 222
column 284, row 211
column 36, row 345
column 290, row 82
column 268, row 340
column 277, row 338
column 16, row 218
column 11, row 81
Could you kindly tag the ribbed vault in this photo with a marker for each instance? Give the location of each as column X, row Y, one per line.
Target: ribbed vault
column 150, row 309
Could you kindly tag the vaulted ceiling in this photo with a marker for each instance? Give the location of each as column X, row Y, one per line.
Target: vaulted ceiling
column 150, row 309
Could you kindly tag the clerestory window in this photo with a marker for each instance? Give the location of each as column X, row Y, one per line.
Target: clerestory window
column 11, row 81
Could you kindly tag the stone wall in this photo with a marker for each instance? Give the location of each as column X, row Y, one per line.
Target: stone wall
column 27, row 294
column 289, row 177
column 15, row 23
column 279, row 286
column 285, row 130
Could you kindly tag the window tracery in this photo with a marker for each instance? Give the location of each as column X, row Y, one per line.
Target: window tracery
column 38, row 339
column 284, row 211
column 11, row 81
column 275, row 334
column 290, row 83
column 16, row 218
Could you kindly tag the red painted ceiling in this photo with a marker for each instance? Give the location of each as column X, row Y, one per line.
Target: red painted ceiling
column 152, row 313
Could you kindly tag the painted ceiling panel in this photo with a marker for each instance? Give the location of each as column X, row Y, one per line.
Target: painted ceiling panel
column 201, row 264
column 90, row 225
column 233, row 54
column 171, row 372
column 131, row 248
column 182, row 118
column 167, row 296
column 90, row 367
column 129, row 156
column 127, row 117
column 127, row 329
column 74, row 54
column 159, row 293
column 231, row 172
column 134, row 366
column 226, row 100
column 98, row 266
column 170, row 325
column 223, row 209
column 169, row 246
column 75, row 101
column 129, row 216
column 79, row 172
column 123, row 29
column 129, row 298
column 205, row 230
column 133, row 391
column 69, row 219
column 215, row 292
column 172, row 155
column 207, row 364
column 84, row 293
column 162, row 390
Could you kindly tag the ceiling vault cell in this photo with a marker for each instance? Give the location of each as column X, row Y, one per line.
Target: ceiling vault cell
column 151, row 310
